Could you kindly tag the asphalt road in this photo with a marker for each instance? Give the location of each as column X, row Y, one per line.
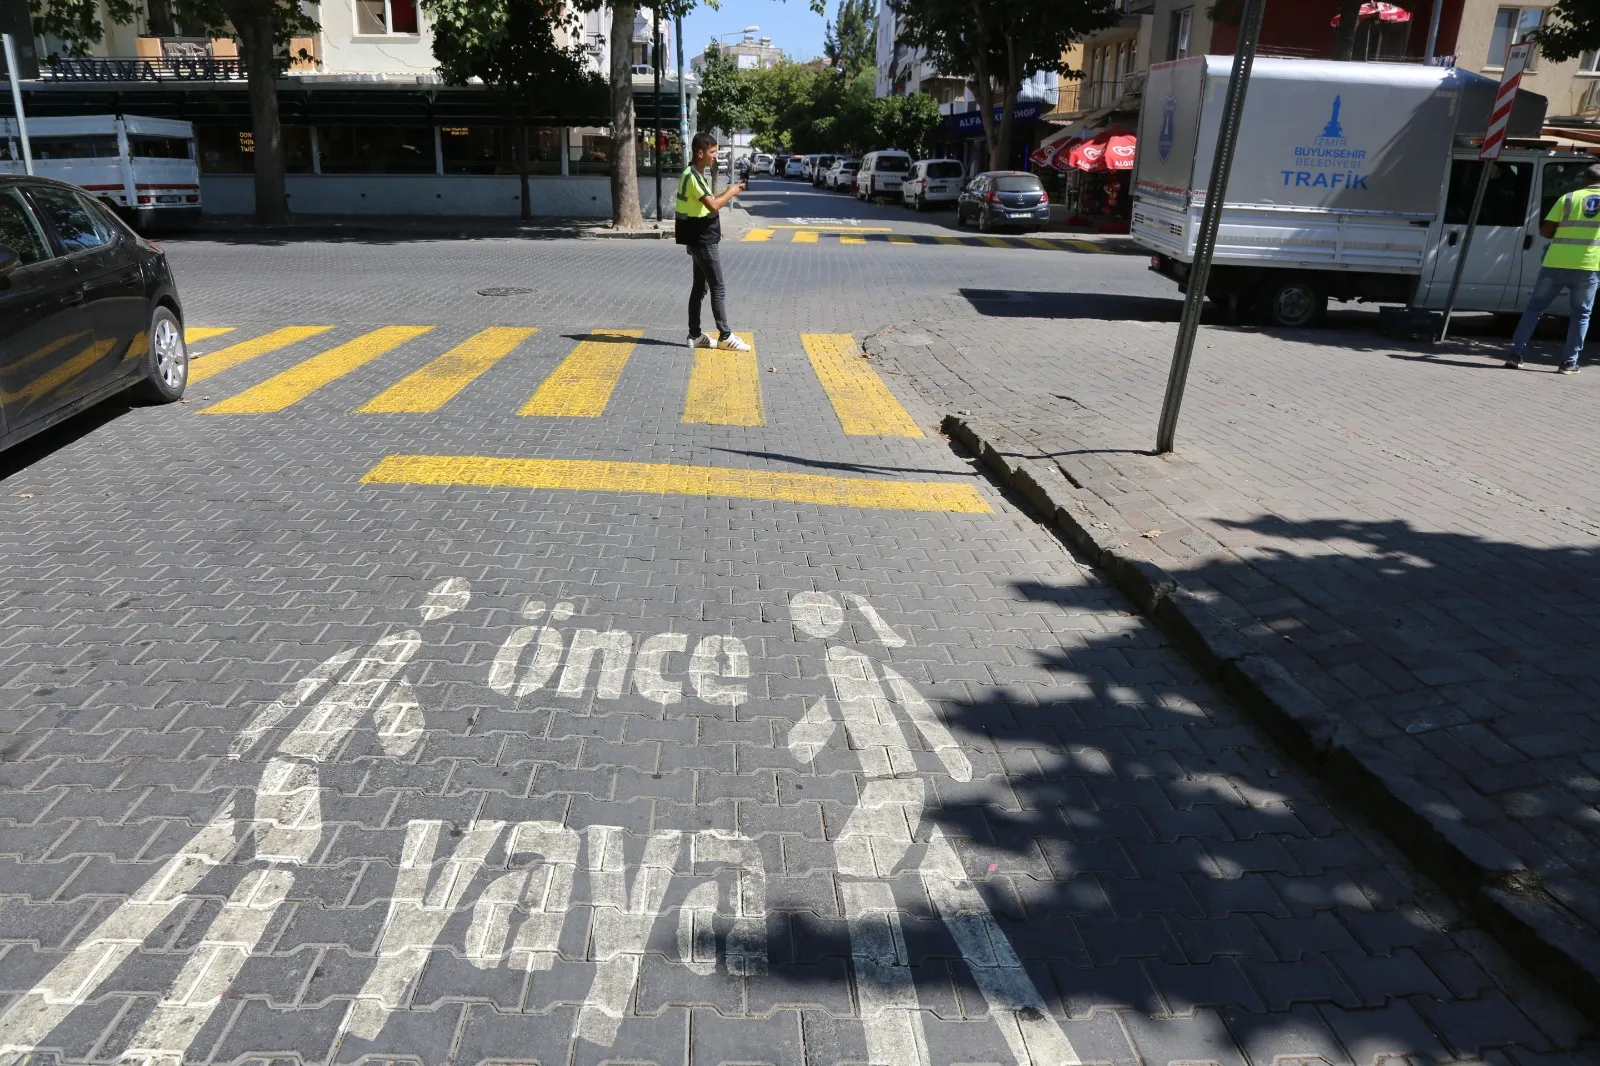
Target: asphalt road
column 462, row 678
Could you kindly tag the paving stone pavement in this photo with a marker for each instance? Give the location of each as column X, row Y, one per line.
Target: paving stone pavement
column 297, row 767
column 1410, row 530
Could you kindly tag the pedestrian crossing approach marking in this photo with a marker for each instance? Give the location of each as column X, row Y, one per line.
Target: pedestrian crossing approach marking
column 725, row 388
column 582, row 385
column 300, row 381
column 672, row 479
column 862, row 401
column 195, row 334
column 862, row 235
column 437, row 383
column 203, row 367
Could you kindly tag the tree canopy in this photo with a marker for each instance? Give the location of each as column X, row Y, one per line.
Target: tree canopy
column 851, row 41
column 1571, row 28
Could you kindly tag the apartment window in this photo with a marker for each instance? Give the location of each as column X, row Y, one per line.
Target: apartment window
column 1512, row 26
column 386, row 16
column 1589, row 62
column 1178, row 43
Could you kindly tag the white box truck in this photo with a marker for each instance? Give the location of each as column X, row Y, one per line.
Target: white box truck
column 145, row 168
column 1351, row 180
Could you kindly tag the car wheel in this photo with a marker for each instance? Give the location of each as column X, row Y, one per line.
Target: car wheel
column 1293, row 302
column 166, row 359
column 984, row 225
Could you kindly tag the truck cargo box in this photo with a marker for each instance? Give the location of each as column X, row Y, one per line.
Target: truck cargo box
column 1338, row 165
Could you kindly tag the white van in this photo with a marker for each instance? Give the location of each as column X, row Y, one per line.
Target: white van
column 882, row 174
column 143, row 167
column 932, row 181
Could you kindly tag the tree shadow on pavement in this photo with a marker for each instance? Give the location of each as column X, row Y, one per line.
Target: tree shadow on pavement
column 1143, row 846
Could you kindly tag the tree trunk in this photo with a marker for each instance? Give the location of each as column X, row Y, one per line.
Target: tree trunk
column 1344, row 35
column 625, row 213
column 1000, row 159
column 256, row 41
column 522, row 169
column 983, row 91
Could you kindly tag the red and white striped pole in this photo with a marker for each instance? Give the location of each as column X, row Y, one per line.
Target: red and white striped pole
column 1494, row 138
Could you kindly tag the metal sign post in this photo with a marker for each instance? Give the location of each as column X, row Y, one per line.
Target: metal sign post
column 14, row 74
column 1494, row 139
column 1210, row 218
column 655, row 130
column 683, row 92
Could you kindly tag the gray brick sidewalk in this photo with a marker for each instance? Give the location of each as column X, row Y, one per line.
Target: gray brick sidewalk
column 1410, row 531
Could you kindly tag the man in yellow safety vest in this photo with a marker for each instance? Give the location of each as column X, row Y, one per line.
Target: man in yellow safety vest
column 698, row 226
column 1571, row 262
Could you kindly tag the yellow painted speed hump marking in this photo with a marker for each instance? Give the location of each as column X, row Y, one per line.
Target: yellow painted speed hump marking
column 582, row 385
column 214, row 363
column 725, row 388
column 298, row 382
column 864, row 404
column 196, row 334
column 437, row 383
column 672, row 479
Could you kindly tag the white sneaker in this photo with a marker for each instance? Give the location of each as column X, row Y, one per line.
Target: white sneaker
column 733, row 343
column 702, row 340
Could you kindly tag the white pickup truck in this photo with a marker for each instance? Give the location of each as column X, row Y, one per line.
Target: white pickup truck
column 1351, row 180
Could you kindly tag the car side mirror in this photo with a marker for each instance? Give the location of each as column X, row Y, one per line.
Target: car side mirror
column 9, row 261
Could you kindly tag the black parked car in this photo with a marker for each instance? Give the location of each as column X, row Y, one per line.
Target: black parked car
column 1011, row 198
column 87, row 308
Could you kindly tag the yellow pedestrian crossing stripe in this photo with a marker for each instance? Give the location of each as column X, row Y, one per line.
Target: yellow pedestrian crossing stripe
column 877, row 235
column 582, row 385
column 206, row 366
column 437, row 383
column 673, row 479
column 862, row 401
column 298, row 382
column 196, row 334
column 725, row 388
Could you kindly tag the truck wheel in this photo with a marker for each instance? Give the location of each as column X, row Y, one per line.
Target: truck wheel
column 1294, row 302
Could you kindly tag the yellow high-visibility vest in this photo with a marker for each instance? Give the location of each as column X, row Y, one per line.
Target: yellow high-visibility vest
column 1576, row 245
column 691, row 187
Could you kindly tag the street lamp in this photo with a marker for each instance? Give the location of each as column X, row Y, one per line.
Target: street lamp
column 748, row 31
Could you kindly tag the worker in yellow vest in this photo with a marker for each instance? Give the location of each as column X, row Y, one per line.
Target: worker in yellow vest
column 698, row 226
column 1571, row 262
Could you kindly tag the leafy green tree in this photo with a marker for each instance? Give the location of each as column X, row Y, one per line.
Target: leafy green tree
column 851, row 41
column 725, row 92
column 263, row 30
column 907, row 122
column 1572, row 28
column 510, row 45
column 997, row 45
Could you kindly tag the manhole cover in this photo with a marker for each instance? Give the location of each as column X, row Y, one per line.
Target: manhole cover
column 505, row 290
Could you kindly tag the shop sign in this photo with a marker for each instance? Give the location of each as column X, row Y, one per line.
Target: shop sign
column 972, row 121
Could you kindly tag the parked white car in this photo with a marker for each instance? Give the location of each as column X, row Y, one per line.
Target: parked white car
column 762, row 165
column 882, row 174
column 795, row 167
column 932, row 181
column 842, row 175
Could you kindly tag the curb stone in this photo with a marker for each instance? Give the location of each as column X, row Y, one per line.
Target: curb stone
column 1489, row 881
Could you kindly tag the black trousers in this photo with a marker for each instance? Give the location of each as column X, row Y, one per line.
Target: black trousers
column 708, row 274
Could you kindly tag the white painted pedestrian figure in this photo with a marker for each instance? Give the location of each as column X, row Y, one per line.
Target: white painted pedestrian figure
column 283, row 832
column 877, row 838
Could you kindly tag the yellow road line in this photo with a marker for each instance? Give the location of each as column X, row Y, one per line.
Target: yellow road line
column 301, row 380
column 1040, row 242
column 671, row 479
column 835, row 229
column 581, row 386
column 1085, row 246
column 195, row 334
column 437, row 383
column 902, row 238
column 805, row 236
column 864, row 404
column 997, row 242
column 216, row 362
column 725, row 388
column 845, row 238
column 759, row 235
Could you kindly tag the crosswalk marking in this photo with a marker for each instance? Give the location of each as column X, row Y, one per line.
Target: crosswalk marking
column 902, row 238
column 227, row 358
column 581, row 386
column 864, row 404
column 196, row 334
column 301, row 380
column 437, row 383
column 759, row 235
column 725, row 388
column 672, row 479
column 849, row 238
column 805, row 236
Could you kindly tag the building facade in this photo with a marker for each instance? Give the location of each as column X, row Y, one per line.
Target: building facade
column 368, row 125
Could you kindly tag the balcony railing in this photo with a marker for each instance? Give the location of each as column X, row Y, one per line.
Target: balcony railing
column 140, row 68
